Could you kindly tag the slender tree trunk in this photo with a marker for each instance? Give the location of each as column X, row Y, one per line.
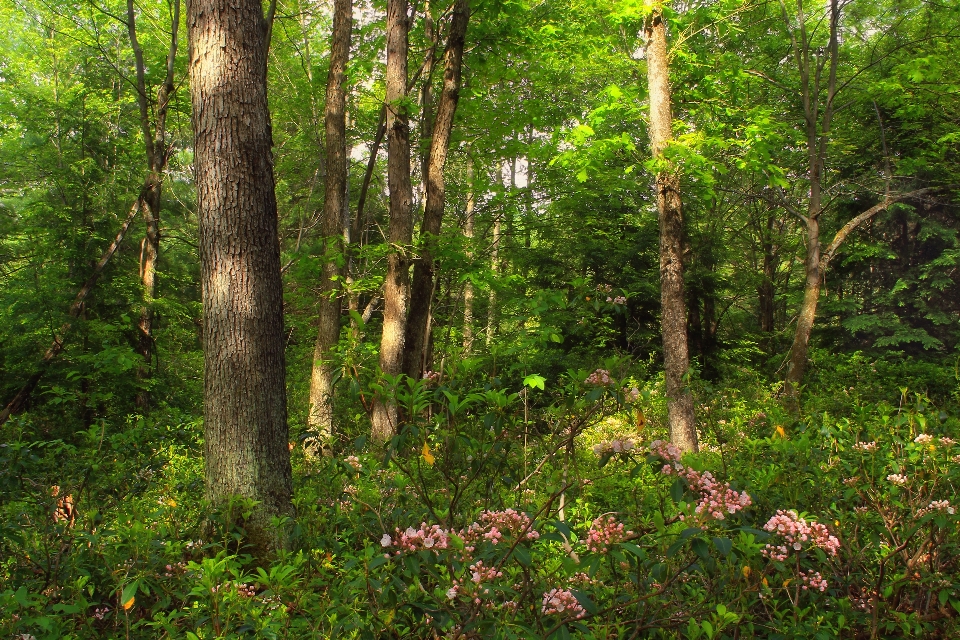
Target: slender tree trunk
column 766, row 292
column 808, row 309
column 320, row 418
column 157, row 152
column 468, row 285
column 495, row 268
column 245, row 410
column 427, row 122
column 397, row 282
column 680, row 416
column 422, row 288
column 19, row 401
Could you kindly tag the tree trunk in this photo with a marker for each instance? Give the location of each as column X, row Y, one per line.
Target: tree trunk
column 468, row 285
column 766, row 292
column 320, row 418
column 680, row 416
column 421, row 290
column 495, row 268
column 397, row 282
column 808, row 310
column 157, row 152
column 245, row 412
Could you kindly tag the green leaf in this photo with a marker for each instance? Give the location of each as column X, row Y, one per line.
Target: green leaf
column 535, row 381
column 723, row 545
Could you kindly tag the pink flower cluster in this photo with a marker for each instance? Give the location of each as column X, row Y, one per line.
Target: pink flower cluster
column 923, row 439
column 562, row 602
column 431, row 377
column 613, row 446
column 796, row 532
column 867, row 447
column 631, row 395
column 430, row 537
column 813, row 580
column 617, row 300
column 478, row 575
column 604, row 533
column 717, row 500
column 494, row 524
column 599, row 378
column 897, row 479
column 937, row 505
column 354, row 462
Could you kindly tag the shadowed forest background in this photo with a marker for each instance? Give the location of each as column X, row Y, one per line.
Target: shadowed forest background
column 481, row 318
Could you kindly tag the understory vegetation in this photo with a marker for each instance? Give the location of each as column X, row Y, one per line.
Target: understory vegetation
column 515, row 507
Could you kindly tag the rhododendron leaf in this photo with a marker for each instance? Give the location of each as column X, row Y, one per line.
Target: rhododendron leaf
column 723, row 545
column 129, row 591
column 427, row 456
column 634, row 549
column 585, row 601
column 378, row 561
column 604, row 459
column 523, row 555
column 456, row 541
column 676, row 490
column 676, row 546
column 562, row 528
column 700, row 548
column 690, row 532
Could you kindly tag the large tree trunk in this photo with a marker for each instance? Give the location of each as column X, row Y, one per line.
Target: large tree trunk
column 320, row 418
column 157, row 152
column 421, row 291
column 397, row 282
column 680, row 416
column 245, row 411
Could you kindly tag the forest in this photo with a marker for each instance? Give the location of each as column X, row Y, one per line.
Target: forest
column 601, row 319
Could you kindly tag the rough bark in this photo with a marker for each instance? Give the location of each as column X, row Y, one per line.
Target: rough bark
column 495, row 268
column 320, row 418
column 422, row 288
column 680, row 415
column 157, row 153
column 396, row 283
column 245, row 414
column 19, row 401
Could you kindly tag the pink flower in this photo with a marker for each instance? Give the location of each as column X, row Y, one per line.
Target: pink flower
column 604, row 533
column 562, row 601
column 796, row 532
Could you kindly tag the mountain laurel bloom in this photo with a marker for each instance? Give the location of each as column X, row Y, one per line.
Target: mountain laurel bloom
column 604, row 533
column 797, row 533
column 562, row 602
column 897, row 479
column 599, row 378
column 937, row 505
column 717, row 500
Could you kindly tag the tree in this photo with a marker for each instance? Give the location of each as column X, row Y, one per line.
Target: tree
column 680, row 416
column 422, row 288
column 397, row 283
column 245, row 412
column 320, row 418
column 157, row 153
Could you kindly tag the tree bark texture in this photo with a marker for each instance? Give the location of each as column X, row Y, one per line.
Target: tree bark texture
column 245, row 412
column 157, row 154
column 320, row 418
column 421, row 290
column 680, row 415
column 397, row 282
column 19, row 401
